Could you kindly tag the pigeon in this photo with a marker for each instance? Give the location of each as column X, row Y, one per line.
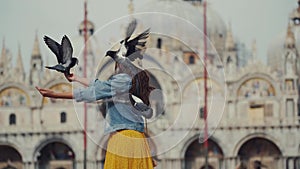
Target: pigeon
column 130, row 47
column 63, row 53
column 258, row 165
column 135, row 45
column 142, row 108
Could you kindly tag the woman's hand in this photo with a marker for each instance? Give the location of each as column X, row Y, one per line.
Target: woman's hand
column 70, row 77
column 45, row 92
column 73, row 78
column 57, row 95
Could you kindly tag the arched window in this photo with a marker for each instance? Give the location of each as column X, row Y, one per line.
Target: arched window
column 12, row 119
column 91, row 31
column 192, row 59
column 63, row 117
column 201, row 113
column 159, row 43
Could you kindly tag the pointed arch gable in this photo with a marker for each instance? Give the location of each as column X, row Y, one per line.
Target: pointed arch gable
column 258, row 76
column 14, row 94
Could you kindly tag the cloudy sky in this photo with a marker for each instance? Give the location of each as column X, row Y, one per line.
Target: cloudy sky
column 260, row 20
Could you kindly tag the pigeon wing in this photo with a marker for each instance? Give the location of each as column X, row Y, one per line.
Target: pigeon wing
column 130, row 29
column 54, row 47
column 137, row 46
column 67, row 49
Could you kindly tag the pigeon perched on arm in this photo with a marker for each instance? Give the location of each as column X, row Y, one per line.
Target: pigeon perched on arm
column 63, row 53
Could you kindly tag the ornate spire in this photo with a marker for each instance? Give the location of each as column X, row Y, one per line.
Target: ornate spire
column 19, row 64
column 48, row 73
column 254, row 50
column 36, row 62
column 3, row 58
column 36, row 49
column 295, row 15
column 130, row 7
column 290, row 38
column 229, row 44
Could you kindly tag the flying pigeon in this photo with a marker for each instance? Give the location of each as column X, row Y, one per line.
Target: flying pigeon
column 135, row 45
column 63, row 53
column 130, row 47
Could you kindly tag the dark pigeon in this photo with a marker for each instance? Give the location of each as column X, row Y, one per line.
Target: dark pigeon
column 63, row 53
column 258, row 165
column 131, row 48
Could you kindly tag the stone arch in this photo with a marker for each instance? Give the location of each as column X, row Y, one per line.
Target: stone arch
column 260, row 152
column 252, row 136
column 12, row 158
column 55, row 153
column 187, row 143
column 47, row 141
column 210, row 84
column 196, row 159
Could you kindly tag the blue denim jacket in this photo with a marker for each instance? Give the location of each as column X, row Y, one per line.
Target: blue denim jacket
column 119, row 115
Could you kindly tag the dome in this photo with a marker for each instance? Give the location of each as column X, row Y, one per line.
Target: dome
column 176, row 22
column 215, row 23
column 187, row 11
column 90, row 27
column 93, row 49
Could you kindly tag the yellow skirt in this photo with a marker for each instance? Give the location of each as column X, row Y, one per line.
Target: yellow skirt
column 128, row 149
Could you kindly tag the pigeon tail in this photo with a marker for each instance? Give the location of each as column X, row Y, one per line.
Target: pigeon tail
column 58, row 68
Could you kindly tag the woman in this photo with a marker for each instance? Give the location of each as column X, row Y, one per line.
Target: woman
column 127, row 145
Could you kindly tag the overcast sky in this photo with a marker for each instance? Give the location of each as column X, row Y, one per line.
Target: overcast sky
column 262, row 20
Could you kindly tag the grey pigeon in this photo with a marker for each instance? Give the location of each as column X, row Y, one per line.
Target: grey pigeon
column 63, row 53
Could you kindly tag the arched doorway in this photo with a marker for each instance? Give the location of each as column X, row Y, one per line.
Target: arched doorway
column 11, row 159
column 259, row 153
column 195, row 155
column 209, row 167
column 55, row 155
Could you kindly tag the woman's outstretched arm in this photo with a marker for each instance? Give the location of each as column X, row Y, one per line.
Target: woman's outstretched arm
column 52, row 94
column 74, row 78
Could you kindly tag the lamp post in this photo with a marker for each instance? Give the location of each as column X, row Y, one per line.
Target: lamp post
column 85, row 75
column 205, row 85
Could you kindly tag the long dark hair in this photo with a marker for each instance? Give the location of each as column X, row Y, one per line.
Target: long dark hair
column 140, row 85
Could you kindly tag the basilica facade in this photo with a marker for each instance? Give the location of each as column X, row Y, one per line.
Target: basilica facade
column 253, row 108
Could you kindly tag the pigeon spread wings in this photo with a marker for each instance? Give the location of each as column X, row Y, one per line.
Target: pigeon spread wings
column 63, row 51
column 130, row 29
column 55, row 48
column 66, row 49
column 136, row 46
